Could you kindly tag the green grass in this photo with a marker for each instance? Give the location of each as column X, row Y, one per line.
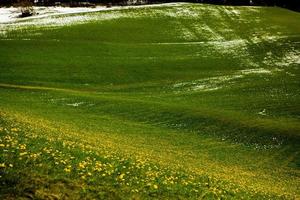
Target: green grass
column 184, row 101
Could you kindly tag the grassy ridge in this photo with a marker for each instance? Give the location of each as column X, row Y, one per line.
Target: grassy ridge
column 201, row 91
column 94, row 172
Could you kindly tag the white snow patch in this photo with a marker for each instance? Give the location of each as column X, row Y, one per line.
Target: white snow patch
column 182, row 12
column 11, row 14
column 7, row 14
column 75, row 104
column 287, row 59
column 218, row 82
column 263, row 112
column 213, row 35
column 57, row 99
column 187, row 34
column 262, row 36
column 290, row 74
column 51, row 17
column 292, row 57
column 224, row 44
column 228, row 47
column 232, row 12
column 256, row 71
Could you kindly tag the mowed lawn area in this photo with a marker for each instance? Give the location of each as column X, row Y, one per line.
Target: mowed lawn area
column 174, row 101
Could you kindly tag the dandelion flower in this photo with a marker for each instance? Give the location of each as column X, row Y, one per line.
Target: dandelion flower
column 23, row 153
column 121, row 176
column 68, row 170
column 14, row 129
column 22, row 146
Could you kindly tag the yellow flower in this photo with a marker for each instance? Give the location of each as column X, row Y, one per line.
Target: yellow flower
column 81, row 165
column 155, row 186
column 10, row 165
column 14, row 129
column 63, row 162
column 34, row 155
column 2, row 165
column 22, row 146
column 2, row 145
column 68, row 170
column 23, row 153
column 121, row 176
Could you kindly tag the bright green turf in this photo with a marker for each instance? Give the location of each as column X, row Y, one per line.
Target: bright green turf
column 208, row 94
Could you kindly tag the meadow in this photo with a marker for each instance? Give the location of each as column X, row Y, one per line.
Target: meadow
column 178, row 101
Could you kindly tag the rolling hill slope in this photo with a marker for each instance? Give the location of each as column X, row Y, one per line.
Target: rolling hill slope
column 173, row 101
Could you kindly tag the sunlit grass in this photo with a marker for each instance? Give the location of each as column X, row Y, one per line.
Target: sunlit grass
column 182, row 101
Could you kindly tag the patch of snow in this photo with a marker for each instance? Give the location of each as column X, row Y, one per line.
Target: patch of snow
column 291, row 57
column 7, row 14
column 256, row 71
column 213, row 35
column 232, row 12
column 52, row 17
column 187, row 34
column 75, row 104
column 218, row 82
column 288, row 58
column 27, row 39
column 11, row 14
column 290, row 74
column 224, row 44
column 182, row 12
column 262, row 36
column 233, row 47
column 263, row 112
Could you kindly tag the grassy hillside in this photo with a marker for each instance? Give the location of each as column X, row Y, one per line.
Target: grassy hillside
column 176, row 101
